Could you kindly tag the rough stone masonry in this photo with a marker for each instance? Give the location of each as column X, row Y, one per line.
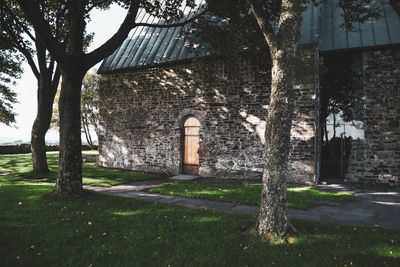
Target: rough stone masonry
column 143, row 111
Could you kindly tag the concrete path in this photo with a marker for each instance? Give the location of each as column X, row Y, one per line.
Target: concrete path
column 372, row 208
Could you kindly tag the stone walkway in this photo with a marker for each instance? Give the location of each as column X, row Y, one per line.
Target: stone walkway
column 372, row 208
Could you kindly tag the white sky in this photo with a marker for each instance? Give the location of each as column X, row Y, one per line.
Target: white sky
column 104, row 24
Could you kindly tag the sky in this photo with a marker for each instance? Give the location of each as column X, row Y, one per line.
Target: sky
column 104, row 24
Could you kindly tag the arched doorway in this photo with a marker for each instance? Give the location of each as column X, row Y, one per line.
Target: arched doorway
column 191, row 146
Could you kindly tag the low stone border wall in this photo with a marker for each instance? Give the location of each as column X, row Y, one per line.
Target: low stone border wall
column 25, row 148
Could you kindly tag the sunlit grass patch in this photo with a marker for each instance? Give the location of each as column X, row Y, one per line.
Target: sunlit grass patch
column 21, row 165
column 299, row 197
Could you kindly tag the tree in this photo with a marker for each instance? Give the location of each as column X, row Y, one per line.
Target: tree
column 17, row 32
column 396, row 6
column 74, row 63
column 340, row 96
column 271, row 32
column 283, row 42
column 10, row 69
column 90, row 105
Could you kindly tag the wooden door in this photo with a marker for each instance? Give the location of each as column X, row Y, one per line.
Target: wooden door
column 191, row 146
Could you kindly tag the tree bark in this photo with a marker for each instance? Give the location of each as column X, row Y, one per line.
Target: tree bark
column 48, row 79
column 86, row 130
column 272, row 217
column 69, row 182
column 45, row 99
column 396, row 6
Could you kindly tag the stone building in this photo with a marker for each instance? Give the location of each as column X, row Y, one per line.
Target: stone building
column 160, row 113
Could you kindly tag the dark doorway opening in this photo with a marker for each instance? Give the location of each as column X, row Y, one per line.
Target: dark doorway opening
column 341, row 112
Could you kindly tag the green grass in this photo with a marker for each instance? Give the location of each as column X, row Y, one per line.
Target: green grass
column 299, row 197
column 21, row 165
column 112, row 231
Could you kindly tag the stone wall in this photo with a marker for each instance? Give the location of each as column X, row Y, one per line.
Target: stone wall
column 142, row 113
column 26, row 148
column 356, row 165
column 382, row 115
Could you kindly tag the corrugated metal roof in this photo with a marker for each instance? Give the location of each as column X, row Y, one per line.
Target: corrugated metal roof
column 323, row 25
column 375, row 32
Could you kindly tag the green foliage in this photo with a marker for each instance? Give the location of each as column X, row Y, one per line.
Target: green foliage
column 55, row 116
column 90, row 105
column 10, row 70
column 355, row 11
column 231, row 32
column 341, row 90
column 299, row 197
column 21, row 165
column 113, row 231
column 396, row 6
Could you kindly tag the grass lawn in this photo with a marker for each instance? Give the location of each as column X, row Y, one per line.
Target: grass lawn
column 299, row 197
column 21, row 165
column 113, row 231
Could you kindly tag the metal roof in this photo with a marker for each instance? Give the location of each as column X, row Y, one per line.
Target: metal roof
column 374, row 32
column 322, row 25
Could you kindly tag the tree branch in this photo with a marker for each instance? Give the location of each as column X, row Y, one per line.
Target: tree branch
column 396, row 6
column 41, row 57
column 18, row 22
column 264, row 24
column 32, row 11
column 183, row 23
column 55, row 80
column 31, row 62
column 115, row 41
column 24, row 51
column 289, row 23
column 95, row 5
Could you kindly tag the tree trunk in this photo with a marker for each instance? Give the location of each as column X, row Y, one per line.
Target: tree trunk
column 396, row 6
column 45, row 99
column 334, row 125
column 326, row 133
column 69, row 181
column 272, row 217
column 86, row 130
